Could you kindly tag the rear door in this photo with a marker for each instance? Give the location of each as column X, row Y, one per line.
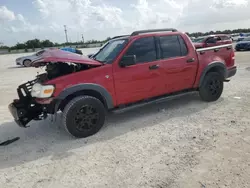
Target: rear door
column 179, row 63
column 142, row 80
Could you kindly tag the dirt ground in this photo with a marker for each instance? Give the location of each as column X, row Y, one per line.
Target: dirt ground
column 183, row 143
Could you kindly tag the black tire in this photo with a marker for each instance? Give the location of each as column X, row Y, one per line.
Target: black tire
column 77, row 121
column 27, row 63
column 212, row 87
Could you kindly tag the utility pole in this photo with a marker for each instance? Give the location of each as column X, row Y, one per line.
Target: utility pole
column 82, row 39
column 65, row 30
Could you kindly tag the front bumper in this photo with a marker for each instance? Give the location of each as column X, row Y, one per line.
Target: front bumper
column 14, row 112
column 18, row 62
column 23, row 112
column 26, row 108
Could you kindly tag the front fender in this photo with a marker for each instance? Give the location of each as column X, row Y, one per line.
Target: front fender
column 88, row 86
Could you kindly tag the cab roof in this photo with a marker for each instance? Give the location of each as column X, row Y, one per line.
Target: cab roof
column 144, row 32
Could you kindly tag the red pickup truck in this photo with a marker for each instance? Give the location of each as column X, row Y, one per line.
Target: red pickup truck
column 212, row 40
column 133, row 70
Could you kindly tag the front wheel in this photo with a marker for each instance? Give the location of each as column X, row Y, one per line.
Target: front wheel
column 83, row 116
column 212, row 87
column 27, row 63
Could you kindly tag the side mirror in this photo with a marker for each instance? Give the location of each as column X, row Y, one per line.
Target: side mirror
column 128, row 60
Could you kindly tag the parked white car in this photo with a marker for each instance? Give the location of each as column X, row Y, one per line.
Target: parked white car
column 27, row 60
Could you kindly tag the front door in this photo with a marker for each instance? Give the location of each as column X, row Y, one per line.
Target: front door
column 142, row 80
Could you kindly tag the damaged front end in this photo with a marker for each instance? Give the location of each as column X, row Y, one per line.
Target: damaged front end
column 25, row 108
column 36, row 97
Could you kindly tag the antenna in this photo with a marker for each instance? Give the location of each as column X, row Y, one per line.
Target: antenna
column 65, row 30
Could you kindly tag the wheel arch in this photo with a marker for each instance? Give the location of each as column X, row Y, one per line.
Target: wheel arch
column 93, row 90
column 214, row 67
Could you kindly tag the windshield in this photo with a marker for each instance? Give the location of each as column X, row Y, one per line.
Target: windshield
column 198, row 40
column 110, row 51
column 94, row 54
column 246, row 39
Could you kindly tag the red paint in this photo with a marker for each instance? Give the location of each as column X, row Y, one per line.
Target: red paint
column 57, row 55
column 137, row 82
column 221, row 41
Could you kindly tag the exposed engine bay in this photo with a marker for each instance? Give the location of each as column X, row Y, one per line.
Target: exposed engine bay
column 54, row 70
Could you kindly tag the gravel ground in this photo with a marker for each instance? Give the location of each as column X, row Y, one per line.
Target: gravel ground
column 183, row 143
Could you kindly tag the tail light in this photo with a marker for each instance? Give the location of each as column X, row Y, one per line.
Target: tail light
column 233, row 54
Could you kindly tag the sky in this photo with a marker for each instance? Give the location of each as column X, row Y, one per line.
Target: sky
column 22, row 20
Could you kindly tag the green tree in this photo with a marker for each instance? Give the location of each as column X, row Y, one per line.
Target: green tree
column 35, row 43
column 19, row 46
column 4, row 47
column 47, row 43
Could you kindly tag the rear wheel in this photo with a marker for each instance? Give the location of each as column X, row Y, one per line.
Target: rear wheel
column 27, row 63
column 212, row 87
column 84, row 116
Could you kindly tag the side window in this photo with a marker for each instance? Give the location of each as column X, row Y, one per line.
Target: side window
column 184, row 49
column 170, row 46
column 211, row 40
column 225, row 37
column 218, row 38
column 144, row 49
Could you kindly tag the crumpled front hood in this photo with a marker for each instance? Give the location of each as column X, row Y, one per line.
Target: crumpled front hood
column 57, row 55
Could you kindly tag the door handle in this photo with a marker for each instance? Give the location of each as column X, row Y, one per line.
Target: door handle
column 152, row 67
column 216, row 50
column 190, row 60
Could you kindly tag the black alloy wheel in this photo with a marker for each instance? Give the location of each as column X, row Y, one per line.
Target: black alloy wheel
column 84, row 116
column 212, row 87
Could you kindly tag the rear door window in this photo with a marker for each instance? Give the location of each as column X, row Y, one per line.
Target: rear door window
column 225, row 37
column 172, row 46
column 218, row 38
column 211, row 40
